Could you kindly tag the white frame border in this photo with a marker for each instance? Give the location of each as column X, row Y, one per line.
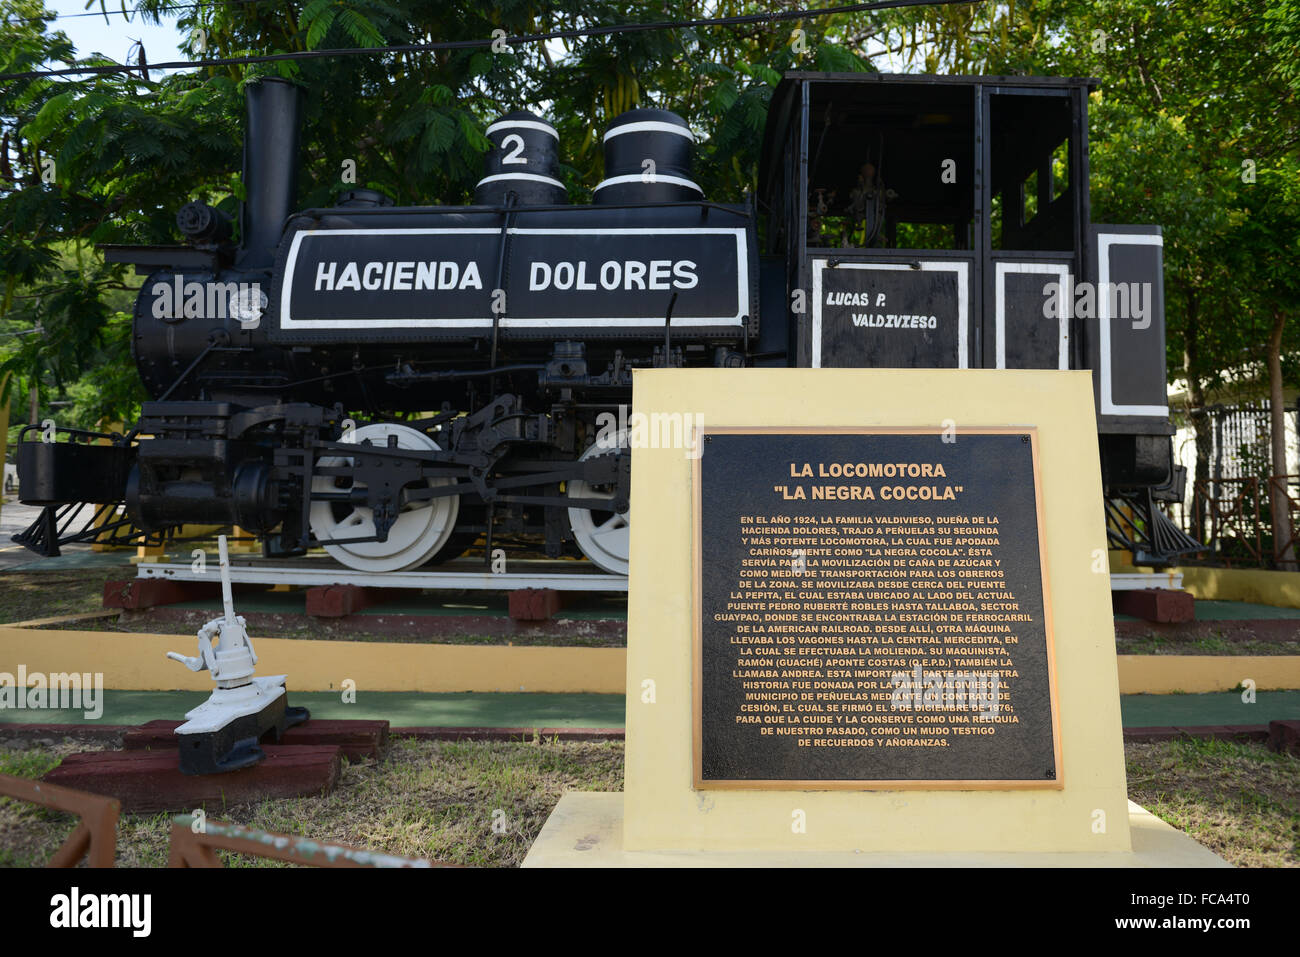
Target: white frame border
column 960, row 267
column 288, row 324
column 1000, row 273
column 1104, row 242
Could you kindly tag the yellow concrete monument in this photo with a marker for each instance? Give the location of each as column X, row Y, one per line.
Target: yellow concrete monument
column 869, row 623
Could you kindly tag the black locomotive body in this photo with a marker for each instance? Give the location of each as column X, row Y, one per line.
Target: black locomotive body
column 393, row 383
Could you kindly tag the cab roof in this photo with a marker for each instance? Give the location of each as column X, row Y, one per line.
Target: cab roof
column 785, row 98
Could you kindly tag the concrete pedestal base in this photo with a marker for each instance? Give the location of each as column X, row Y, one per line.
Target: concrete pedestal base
column 586, row 830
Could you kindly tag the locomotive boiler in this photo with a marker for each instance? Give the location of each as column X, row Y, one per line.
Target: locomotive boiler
column 396, row 384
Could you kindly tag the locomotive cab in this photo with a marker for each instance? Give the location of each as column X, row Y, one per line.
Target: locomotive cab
column 944, row 222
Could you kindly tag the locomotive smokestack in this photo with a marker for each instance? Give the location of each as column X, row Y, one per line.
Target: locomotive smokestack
column 270, row 168
column 524, row 160
column 648, row 160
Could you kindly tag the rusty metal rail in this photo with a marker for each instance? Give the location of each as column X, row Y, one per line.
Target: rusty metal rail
column 95, row 837
column 1236, row 516
column 194, row 843
column 1229, row 510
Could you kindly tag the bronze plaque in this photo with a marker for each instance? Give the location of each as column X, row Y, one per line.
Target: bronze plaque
column 871, row 611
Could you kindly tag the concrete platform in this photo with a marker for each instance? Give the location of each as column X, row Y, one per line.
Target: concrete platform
column 586, row 830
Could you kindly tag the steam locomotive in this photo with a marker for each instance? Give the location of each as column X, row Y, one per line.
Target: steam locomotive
column 397, row 383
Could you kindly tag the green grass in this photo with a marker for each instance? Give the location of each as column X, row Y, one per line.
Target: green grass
column 1240, row 800
column 27, row 764
column 440, row 800
column 30, row 833
column 430, row 799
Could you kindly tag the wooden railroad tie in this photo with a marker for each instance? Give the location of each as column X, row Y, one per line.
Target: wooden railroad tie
column 146, row 781
column 356, row 739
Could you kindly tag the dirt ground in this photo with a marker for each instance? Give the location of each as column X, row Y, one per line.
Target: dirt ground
column 28, row 595
column 1215, row 643
column 25, row 596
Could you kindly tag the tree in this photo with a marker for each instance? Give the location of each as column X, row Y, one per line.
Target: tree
column 1190, row 91
column 1195, row 95
column 1262, row 251
column 110, row 158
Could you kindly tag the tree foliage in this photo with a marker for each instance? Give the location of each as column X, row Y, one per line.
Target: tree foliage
column 1190, row 90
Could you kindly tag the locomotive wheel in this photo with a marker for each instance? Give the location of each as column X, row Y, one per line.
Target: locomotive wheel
column 421, row 529
column 604, row 537
column 459, row 542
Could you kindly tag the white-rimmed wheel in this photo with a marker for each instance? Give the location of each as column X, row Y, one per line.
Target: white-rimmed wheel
column 603, row 536
column 421, row 529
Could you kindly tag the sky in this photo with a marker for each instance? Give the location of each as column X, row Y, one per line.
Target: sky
column 115, row 36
